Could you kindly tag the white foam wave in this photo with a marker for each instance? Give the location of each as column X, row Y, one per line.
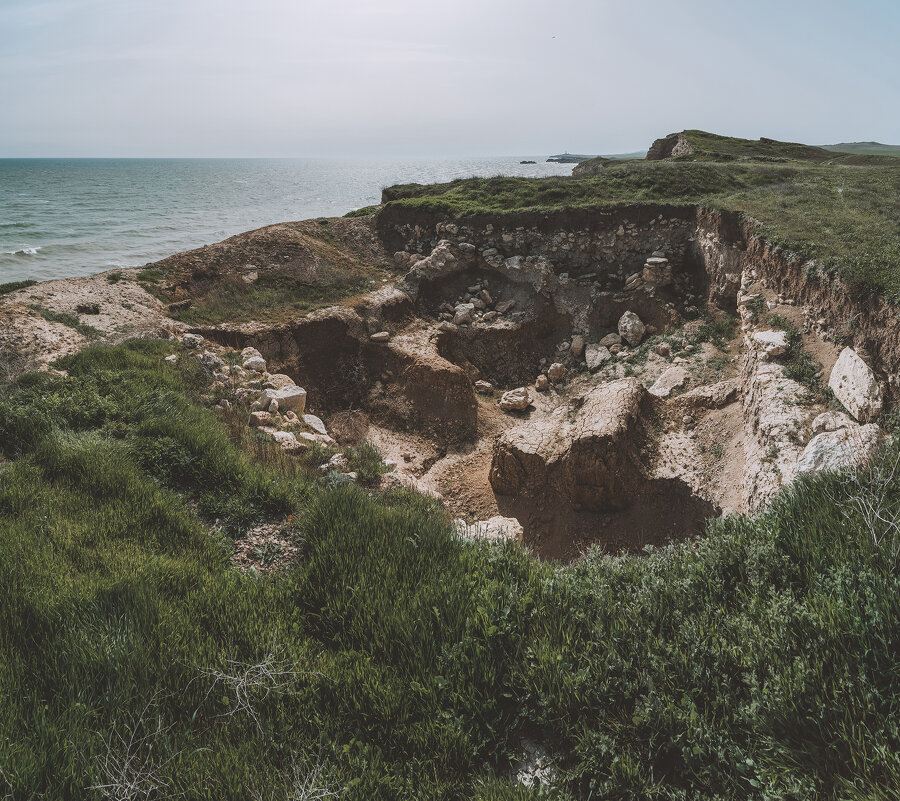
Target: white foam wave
column 22, row 251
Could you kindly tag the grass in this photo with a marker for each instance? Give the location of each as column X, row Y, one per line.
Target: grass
column 273, row 294
column 394, row 661
column 846, row 218
column 67, row 319
column 12, row 286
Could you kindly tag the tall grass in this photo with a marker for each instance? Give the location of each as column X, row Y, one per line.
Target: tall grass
column 395, row 661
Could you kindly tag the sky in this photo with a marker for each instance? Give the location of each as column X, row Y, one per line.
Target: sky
column 414, row 78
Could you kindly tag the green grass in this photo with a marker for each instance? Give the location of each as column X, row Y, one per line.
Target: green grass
column 847, row 218
column 12, row 286
column 758, row 662
column 273, row 294
column 67, row 319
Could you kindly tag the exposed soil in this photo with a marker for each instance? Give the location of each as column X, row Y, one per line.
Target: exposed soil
column 595, row 459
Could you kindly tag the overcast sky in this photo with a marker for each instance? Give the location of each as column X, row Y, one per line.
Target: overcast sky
column 384, row 78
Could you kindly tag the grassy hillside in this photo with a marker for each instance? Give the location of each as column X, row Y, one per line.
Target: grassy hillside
column 846, row 217
column 393, row 661
column 875, row 148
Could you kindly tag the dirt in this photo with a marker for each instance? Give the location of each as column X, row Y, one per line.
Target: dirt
column 656, row 478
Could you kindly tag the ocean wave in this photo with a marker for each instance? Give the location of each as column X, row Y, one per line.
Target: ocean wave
column 22, row 252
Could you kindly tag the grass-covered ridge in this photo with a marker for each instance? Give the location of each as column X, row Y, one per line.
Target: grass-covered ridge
column 394, row 661
column 845, row 217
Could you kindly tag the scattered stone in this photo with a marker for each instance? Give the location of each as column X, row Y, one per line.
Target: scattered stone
column 505, row 306
column 844, row 447
column 516, row 400
column 249, row 353
column 663, row 349
column 484, row 387
column 577, row 346
column 771, row 343
column 671, row 379
column 633, row 281
column 337, row 462
column 631, row 329
column 260, row 418
column 446, row 327
column 172, row 359
column 397, row 479
column 495, row 529
column 381, row 336
column 611, row 339
column 542, row 383
column 210, row 362
column 192, row 341
column 596, row 355
column 556, row 372
column 273, row 407
column 491, row 315
column 485, row 297
column 279, row 381
column 854, row 385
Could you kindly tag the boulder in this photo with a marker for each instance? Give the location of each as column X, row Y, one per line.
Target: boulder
column 209, row 361
column 495, row 529
column 484, row 387
column 673, row 378
column 288, row 442
column 631, row 329
column 587, row 455
column 279, row 380
column 577, row 346
column 596, row 355
column 834, row 450
column 249, row 353
column 855, row 386
column 771, row 343
column 192, row 341
column 516, row 400
column 831, row 421
column 292, row 397
column 255, row 364
column 556, row 372
column 542, row 383
column 315, row 423
column 259, row 419
column 463, row 313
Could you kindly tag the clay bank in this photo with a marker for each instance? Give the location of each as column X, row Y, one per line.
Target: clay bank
column 566, row 378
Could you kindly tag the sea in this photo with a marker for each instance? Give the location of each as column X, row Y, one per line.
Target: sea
column 66, row 217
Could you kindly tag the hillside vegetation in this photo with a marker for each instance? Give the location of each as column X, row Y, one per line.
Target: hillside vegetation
column 845, row 216
column 392, row 660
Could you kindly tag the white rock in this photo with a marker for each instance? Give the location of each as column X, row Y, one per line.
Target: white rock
column 833, row 450
column 192, row 340
column 772, row 343
column 854, row 385
column 255, row 363
column 172, row 359
column 831, row 421
column 596, row 355
column 288, row 441
column 631, row 329
column 315, row 423
column 380, row 336
column 556, row 372
column 671, row 379
column 516, row 400
column 495, row 529
column 289, row 398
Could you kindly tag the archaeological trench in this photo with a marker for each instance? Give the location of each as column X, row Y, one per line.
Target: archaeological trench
column 546, row 375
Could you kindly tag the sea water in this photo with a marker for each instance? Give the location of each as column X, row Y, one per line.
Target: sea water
column 67, row 217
